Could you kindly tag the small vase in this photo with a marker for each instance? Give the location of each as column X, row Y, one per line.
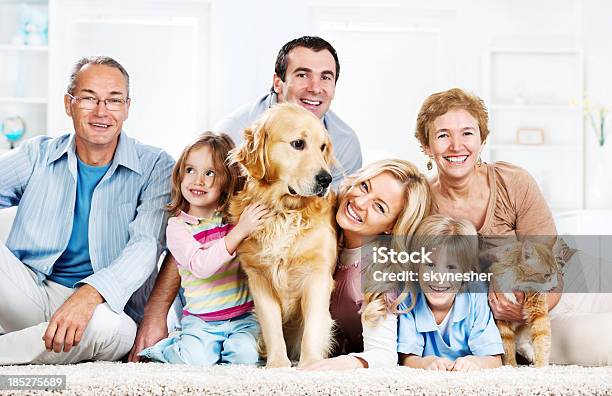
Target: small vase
column 598, row 174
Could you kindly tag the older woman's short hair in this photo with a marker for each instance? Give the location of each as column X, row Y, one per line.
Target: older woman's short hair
column 441, row 103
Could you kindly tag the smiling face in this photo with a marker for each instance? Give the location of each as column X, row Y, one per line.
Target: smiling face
column 439, row 295
column 370, row 208
column 309, row 81
column 201, row 183
column 97, row 129
column 455, row 144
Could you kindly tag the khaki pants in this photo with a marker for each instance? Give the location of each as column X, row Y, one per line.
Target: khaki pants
column 580, row 329
column 26, row 307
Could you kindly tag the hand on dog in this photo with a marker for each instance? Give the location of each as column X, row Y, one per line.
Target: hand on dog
column 250, row 219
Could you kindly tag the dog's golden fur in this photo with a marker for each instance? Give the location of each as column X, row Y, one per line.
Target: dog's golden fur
column 290, row 259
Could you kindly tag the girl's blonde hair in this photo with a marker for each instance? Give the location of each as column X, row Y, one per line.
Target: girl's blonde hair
column 417, row 204
column 230, row 176
column 459, row 237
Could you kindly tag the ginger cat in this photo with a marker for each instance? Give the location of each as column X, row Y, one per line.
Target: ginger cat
column 531, row 268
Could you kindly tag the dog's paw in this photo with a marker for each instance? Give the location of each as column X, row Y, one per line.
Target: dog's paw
column 278, row 363
column 304, row 362
column 509, row 360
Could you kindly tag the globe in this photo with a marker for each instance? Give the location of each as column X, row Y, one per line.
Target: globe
column 13, row 128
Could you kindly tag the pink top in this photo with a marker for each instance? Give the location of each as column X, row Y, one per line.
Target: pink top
column 346, row 300
column 215, row 287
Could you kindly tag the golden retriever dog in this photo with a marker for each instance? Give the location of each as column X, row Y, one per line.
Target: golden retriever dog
column 289, row 260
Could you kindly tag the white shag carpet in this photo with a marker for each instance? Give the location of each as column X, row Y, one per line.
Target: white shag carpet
column 103, row 378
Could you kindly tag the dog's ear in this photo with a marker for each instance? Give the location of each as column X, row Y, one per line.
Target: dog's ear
column 328, row 153
column 251, row 153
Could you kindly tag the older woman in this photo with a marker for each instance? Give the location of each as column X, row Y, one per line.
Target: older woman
column 502, row 200
column 388, row 197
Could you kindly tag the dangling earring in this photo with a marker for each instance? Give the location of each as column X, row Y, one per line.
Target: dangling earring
column 479, row 162
column 429, row 165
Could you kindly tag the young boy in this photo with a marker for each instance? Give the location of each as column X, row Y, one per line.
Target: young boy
column 448, row 328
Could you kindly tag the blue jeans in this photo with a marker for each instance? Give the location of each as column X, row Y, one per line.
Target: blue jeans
column 207, row 343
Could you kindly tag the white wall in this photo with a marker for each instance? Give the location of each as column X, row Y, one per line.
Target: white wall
column 242, row 37
column 245, row 36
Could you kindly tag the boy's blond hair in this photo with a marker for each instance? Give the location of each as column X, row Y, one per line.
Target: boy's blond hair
column 438, row 231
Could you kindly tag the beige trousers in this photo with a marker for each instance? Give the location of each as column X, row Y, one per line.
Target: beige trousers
column 581, row 329
column 26, row 307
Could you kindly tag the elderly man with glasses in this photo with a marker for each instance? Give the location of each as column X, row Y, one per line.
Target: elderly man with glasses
column 79, row 260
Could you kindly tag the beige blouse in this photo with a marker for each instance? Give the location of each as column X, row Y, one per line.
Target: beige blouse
column 516, row 205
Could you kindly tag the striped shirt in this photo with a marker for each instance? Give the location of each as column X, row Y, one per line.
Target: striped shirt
column 215, row 286
column 126, row 219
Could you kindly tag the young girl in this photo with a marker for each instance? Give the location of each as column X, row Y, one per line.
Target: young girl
column 449, row 328
column 217, row 325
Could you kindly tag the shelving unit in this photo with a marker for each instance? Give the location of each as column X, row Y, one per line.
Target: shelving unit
column 534, row 148
column 24, row 71
column 24, row 48
column 24, row 100
column 539, row 88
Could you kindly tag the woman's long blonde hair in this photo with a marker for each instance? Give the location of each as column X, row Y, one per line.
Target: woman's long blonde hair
column 417, row 199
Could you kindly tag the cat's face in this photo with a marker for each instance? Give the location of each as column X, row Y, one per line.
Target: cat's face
column 527, row 266
column 537, row 268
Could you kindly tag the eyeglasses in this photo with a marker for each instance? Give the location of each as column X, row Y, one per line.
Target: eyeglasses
column 91, row 102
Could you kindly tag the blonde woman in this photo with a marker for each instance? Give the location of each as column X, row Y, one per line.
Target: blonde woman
column 388, row 197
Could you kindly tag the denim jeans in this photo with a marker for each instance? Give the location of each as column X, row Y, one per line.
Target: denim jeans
column 207, row 343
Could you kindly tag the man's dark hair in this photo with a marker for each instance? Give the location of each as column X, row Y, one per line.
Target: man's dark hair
column 96, row 60
column 311, row 42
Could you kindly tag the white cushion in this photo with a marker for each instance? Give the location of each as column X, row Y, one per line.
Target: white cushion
column 6, row 221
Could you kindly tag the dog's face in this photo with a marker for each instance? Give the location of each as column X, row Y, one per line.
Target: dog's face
column 288, row 148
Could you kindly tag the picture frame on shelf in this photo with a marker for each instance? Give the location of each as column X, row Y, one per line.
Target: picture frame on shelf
column 530, row 136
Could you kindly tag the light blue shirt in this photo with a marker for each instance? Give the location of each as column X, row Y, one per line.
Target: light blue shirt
column 471, row 331
column 74, row 264
column 126, row 223
column 345, row 141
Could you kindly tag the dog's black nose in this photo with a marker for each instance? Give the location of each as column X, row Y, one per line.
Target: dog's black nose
column 323, row 178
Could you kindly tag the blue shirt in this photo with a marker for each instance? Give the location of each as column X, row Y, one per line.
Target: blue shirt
column 344, row 140
column 472, row 330
column 74, row 264
column 126, row 222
